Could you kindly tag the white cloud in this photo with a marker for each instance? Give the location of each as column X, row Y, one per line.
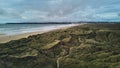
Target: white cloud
column 107, row 15
column 55, row 1
column 34, row 14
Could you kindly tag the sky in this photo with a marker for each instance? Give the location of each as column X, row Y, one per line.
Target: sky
column 59, row 10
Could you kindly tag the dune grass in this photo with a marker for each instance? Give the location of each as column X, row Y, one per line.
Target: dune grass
column 84, row 46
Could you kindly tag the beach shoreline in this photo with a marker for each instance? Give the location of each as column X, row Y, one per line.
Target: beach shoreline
column 5, row 38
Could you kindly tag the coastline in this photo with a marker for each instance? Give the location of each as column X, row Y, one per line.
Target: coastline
column 65, row 48
column 5, row 39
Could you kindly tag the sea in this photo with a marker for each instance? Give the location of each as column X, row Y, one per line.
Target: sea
column 14, row 29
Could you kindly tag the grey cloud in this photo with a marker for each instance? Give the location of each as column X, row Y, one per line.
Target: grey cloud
column 60, row 10
column 5, row 13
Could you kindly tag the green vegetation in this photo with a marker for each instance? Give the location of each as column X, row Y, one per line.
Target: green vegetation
column 84, row 46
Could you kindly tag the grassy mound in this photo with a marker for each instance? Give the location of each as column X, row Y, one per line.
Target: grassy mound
column 85, row 46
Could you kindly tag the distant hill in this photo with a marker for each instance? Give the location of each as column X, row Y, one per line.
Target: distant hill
column 58, row 22
column 84, row 46
column 42, row 23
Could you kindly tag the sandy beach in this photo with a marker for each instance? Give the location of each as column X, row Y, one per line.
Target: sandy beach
column 4, row 38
